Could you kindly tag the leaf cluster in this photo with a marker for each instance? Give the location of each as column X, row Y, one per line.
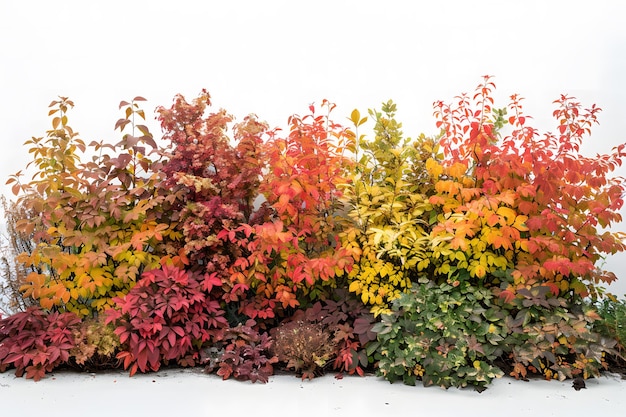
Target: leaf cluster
column 546, row 335
column 95, row 345
column 511, row 198
column 169, row 315
column 95, row 225
column 492, row 196
column 13, row 273
column 350, row 323
column 388, row 197
column 442, row 335
column 243, row 353
column 292, row 258
column 613, row 321
column 34, row 342
column 212, row 179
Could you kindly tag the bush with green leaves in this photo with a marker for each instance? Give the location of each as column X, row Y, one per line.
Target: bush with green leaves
column 613, row 321
column 551, row 336
column 442, row 335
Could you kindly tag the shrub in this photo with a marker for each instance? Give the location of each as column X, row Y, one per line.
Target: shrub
column 350, row 324
column 96, row 345
column 489, row 208
column 305, row 347
column 35, row 342
column 612, row 325
column 553, row 337
column 96, row 224
column 168, row 316
column 479, row 202
column 443, row 335
column 294, row 258
column 525, row 202
column 388, row 198
column 244, row 354
column 613, row 321
column 212, row 179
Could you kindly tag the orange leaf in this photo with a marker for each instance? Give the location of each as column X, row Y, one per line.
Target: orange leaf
column 507, row 296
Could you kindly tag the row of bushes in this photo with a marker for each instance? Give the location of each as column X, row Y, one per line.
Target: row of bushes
column 169, row 318
column 444, row 259
column 442, row 335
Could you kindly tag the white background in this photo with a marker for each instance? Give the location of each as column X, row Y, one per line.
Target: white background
column 275, row 57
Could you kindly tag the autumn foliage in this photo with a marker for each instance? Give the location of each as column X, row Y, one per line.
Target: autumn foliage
column 525, row 203
column 96, row 223
column 34, row 342
column 235, row 241
column 293, row 256
column 167, row 316
column 508, row 210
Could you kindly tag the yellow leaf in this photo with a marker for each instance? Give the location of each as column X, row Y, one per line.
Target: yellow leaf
column 508, row 214
column 378, row 310
column 520, row 223
column 457, row 170
column 423, row 264
column 434, row 168
column 445, row 268
column 478, row 271
column 83, row 292
column 355, row 116
column 384, row 271
column 500, row 262
column 522, row 245
column 379, row 300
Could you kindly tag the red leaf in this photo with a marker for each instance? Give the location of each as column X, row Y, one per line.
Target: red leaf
column 36, row 372
column 179, row 330
column 554, row 289
column 171, row 337
column 507, row 296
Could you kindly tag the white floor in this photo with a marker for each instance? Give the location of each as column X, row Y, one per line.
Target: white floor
column 177, row 392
